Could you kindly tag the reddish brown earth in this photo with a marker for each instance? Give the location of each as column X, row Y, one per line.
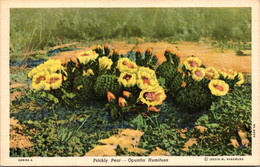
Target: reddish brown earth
column 15, row 95
column 210, row 56
column 19, row 85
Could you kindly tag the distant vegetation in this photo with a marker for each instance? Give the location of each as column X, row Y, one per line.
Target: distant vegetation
column 34, row 29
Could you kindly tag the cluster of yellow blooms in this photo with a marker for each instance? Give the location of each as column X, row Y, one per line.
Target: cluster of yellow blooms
column 85, row 57
column 131, row 74
column 47, row 75
column 216, row 86
column 104, row 62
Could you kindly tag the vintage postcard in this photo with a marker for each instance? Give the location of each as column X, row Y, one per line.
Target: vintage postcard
column 112, row 83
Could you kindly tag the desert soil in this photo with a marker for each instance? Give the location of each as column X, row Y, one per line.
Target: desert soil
column 209, row 55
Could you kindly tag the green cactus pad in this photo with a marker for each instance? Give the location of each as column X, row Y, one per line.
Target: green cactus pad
column 105, row 83
column 167, row 71
column 194, row 98
column 83, row 87
column 176, row 84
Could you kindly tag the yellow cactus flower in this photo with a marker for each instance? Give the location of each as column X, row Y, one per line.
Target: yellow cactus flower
column 229, row 73
column 54, row 69
column 53, row 81
column 88, row 72
column 86, row 56
column 153, row 96
column 241, row 79
column 146, row 78
column 39, row 80
column 223, row 71
column 127, row 79
column 146, row 83
column 192, row 62
column 105, row 63
column 148, row 71
column 198, row 74
column 33, row 72
column 211, row 73
column 125, row 64
column 218, row 87
column 232, row 73
column 51, row 65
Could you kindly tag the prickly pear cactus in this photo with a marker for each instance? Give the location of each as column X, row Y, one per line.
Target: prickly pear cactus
column 166, row 71
column 194, row 98
column 176, row 84
column 106, row 83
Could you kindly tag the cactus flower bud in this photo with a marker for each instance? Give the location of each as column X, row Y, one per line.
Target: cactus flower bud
column 179, row 69
column 149, row 50
column 99, row 47
column 169, row 50
column 183, row 84
column 139, row 50
column 110, row 96
column 116, row 51
column 126, row 93
column 121, row 102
